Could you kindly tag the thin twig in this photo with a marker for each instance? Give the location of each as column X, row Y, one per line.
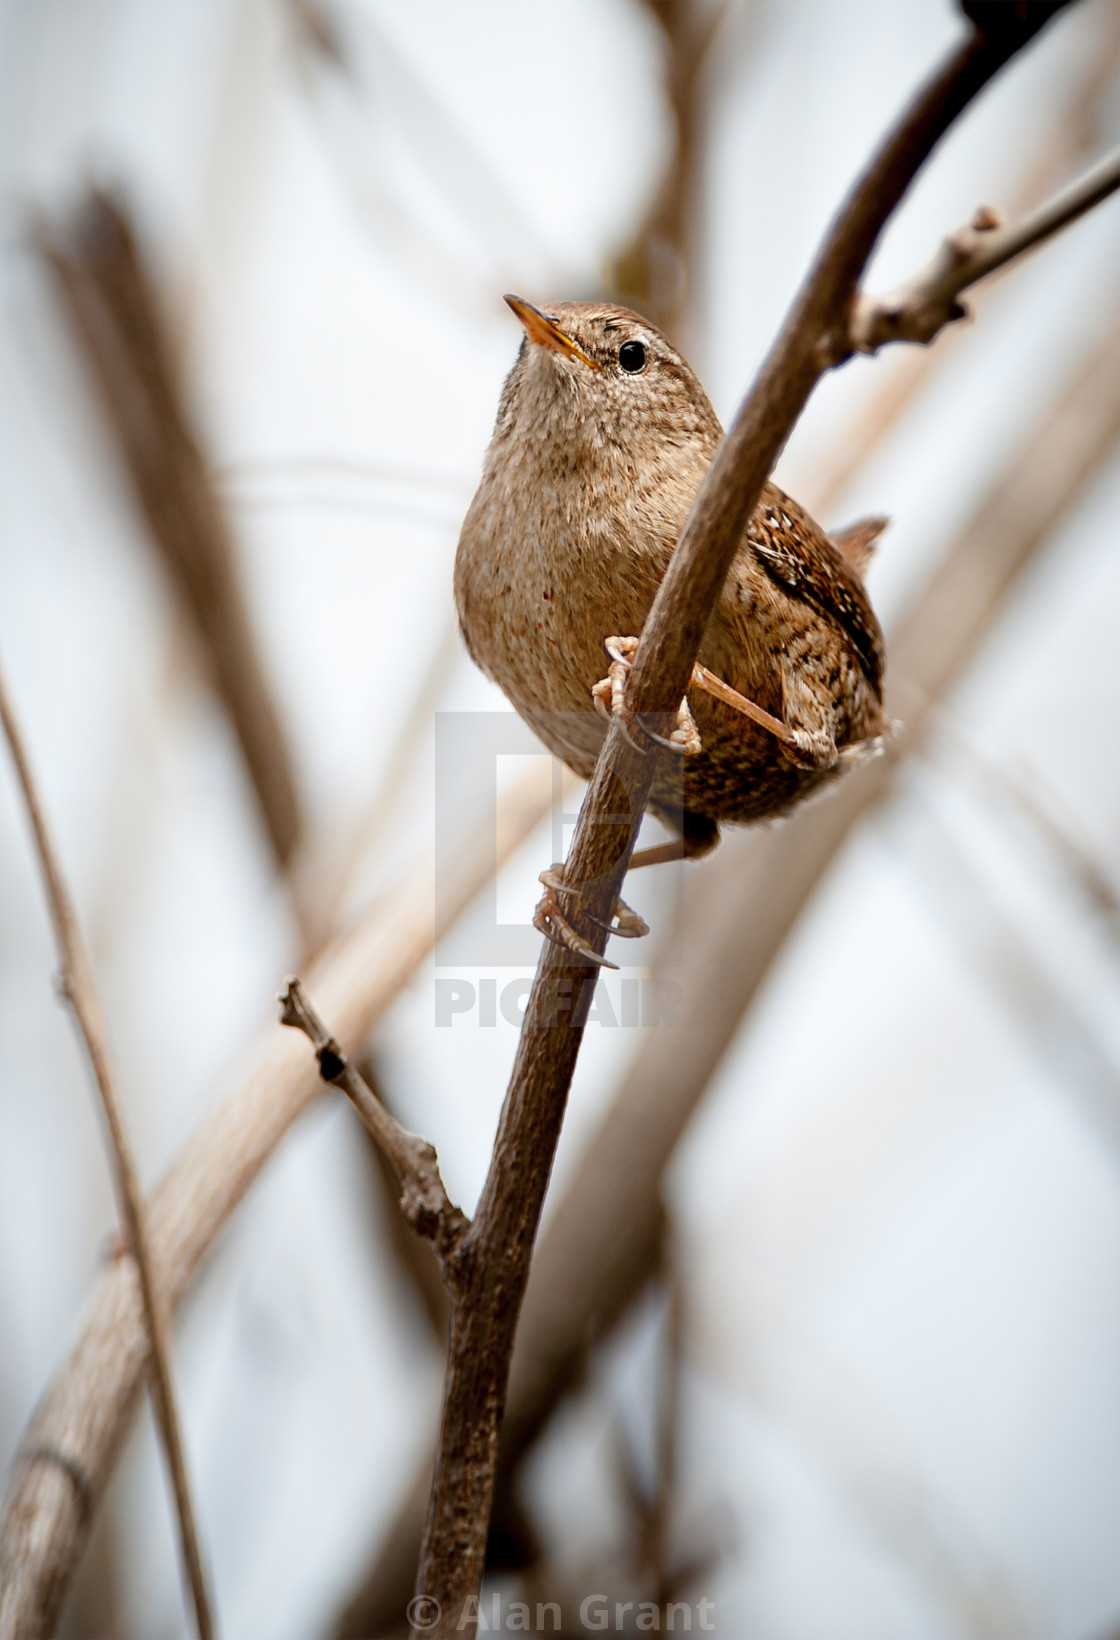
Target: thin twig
column 917, row 310
column 418, row 1260
column 499, row 1243
column 424, row 1201
column 77, row 986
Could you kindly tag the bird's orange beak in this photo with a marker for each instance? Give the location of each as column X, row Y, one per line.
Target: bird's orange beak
column 547, row 333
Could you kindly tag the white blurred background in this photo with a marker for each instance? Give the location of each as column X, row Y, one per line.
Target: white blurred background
column 896, row 1215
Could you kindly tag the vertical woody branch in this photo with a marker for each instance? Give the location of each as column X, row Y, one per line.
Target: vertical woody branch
column 76, row 983
column 495, row 1254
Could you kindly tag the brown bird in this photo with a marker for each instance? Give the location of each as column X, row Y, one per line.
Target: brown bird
column 602, row 438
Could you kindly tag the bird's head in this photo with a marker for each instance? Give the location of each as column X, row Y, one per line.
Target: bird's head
column 609, row 371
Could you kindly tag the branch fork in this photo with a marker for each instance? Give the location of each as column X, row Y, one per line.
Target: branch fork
column 424, row 1199
column 917, row 310
column 929, row 301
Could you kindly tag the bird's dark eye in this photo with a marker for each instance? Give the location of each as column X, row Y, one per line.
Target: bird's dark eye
column 632, row 357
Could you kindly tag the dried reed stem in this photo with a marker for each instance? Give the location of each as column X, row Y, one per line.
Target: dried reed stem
column 76, row 985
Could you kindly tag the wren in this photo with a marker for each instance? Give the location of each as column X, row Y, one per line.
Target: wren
column 603, row 436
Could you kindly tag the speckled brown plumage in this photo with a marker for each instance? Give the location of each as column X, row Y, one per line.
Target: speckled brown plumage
column 590, row 474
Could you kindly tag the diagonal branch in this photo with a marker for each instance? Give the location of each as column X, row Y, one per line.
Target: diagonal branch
column 499, row 1244
column 917, row 310
column 76, row 985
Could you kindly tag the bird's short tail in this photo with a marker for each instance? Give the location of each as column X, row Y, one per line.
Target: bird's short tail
column 857, row 541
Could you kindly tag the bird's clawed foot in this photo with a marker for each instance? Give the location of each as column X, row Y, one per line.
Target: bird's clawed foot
column 609, row 695
column 610, row 702
column 550, row 920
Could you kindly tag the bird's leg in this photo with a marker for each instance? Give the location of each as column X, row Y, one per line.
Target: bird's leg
column 550, row 920
column 703, row 679
column 609, row 695
column 810, row 743
column 698, row 836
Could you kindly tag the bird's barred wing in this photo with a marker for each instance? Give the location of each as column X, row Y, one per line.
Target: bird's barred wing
column 800, row 558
